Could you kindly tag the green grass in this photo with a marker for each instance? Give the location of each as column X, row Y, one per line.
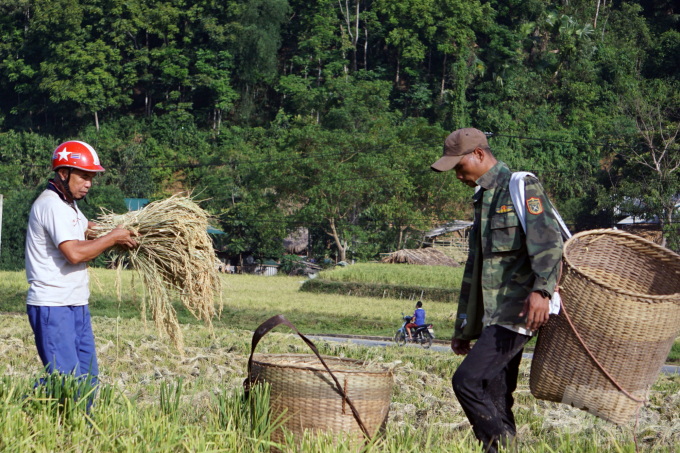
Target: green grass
column 381, row 290
column 398, row 274
column 151, row 399
column 674, row 356
column 250, row 299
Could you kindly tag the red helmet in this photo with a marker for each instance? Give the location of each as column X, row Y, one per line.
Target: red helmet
column 75, row 154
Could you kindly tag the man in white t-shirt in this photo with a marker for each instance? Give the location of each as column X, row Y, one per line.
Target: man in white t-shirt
column 57, row 250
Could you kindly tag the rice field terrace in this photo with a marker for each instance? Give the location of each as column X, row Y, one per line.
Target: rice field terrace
column 397, row 274
column 249, row 299
column 152, row 399
column 400, row 281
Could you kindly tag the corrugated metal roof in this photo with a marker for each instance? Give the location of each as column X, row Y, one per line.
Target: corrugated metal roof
column 135, row 204
column 212, row 230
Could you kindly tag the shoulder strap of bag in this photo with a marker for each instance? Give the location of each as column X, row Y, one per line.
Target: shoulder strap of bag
column 517, row 193
column 268, row 325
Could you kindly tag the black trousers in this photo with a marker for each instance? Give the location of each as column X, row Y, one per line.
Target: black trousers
column 484, row 383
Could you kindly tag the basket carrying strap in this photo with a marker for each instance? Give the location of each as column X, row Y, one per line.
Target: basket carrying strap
column 268, row 325
column 641, row 402
column 597, row 362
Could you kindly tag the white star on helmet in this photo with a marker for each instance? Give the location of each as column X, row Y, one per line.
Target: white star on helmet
column 63, row 155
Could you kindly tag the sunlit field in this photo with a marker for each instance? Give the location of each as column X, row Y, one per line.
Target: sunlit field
column 207, row 413
column 249, row 300
column 398, row 274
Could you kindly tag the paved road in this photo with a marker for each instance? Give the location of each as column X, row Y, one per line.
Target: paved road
column 667, row 369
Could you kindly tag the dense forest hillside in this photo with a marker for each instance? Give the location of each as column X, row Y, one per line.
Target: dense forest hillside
column 326, row 114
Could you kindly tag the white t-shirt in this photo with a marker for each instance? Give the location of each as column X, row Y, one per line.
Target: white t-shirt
column 54, row 281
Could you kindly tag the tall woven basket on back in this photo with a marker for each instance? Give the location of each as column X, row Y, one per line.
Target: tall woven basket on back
column 622, row 296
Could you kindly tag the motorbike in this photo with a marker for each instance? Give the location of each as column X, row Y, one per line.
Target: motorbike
column 422, row 335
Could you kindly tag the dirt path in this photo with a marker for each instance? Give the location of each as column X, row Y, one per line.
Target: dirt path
column 666, row 369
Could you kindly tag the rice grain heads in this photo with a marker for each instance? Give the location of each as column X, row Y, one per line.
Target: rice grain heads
column 175, row 256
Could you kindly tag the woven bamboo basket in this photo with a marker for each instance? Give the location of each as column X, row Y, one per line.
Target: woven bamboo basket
column 337, row 396
column 622, row 296
column 303, row 393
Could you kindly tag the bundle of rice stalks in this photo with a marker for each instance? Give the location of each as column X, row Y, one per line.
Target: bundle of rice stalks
column 175, row 256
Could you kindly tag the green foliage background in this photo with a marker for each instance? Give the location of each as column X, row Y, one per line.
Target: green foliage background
column 284, row 113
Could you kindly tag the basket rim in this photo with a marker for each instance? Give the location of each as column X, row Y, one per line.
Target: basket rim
column 385, row 370
column 658, row 250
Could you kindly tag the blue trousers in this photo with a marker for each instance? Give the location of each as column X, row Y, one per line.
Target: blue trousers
column 63, row 336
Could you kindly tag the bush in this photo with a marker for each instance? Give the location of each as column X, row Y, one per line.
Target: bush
column 359, row 289
column 15, row 213
column 290, row 264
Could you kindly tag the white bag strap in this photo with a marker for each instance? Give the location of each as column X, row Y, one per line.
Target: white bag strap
column 517, row 193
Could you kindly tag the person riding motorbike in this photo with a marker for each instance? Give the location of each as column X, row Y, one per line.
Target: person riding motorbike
column 417, row 320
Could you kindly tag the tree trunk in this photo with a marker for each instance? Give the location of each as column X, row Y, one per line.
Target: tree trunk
column 338, row 242
column 397, row 79
column 96, row 121
column 356, row 39
column 441, row 93
column 403, row 237
column 365, row 48
column 219, row 120
column 597, row 12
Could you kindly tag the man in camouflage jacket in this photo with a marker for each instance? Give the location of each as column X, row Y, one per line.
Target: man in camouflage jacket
column 509, row 279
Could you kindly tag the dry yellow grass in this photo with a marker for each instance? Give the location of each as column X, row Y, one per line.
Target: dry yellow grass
column 424, row 414
column 175, row 257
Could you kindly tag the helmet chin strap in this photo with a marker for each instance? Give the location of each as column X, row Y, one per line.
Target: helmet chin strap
column 66, row 187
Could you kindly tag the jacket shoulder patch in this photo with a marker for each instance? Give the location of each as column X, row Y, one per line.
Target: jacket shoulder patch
column 534, row 206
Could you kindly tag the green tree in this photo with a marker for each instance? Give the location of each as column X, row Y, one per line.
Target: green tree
column 84, row 73
column 213, row 74
column 16, row 210
column 651, row 187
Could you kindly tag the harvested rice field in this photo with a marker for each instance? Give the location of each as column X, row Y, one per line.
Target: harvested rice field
column 154, row 399
column 206, row 414
column 398, row 274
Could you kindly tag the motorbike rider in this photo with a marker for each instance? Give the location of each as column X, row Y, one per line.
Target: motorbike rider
column 418, row 319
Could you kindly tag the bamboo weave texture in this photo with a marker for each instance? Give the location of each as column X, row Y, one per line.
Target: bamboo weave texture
column 622, row 293
column 303, row 392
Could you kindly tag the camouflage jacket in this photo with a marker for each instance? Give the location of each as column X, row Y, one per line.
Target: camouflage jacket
column 505, row 265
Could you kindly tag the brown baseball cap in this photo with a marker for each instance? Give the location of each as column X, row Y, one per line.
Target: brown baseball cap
column 457, row 145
